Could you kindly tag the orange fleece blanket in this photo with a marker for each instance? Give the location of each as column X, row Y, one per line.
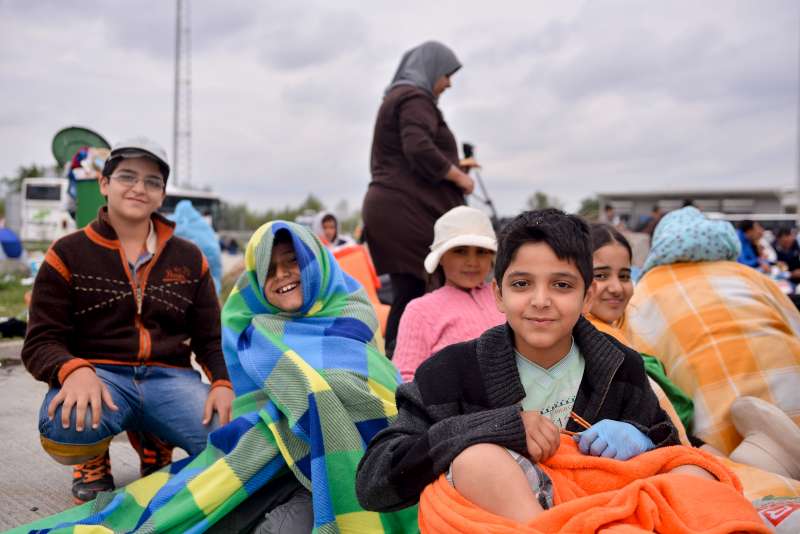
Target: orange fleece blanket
column 610, row 496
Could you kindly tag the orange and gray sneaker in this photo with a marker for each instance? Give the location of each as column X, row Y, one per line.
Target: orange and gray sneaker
column 153, row 453
column 92, row 477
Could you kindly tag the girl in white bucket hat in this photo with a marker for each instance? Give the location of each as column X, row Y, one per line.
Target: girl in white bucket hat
column 461, row 257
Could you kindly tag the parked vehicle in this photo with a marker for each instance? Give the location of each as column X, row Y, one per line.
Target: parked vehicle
column 39, row 211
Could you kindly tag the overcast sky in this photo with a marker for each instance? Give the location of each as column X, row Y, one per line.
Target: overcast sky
column 571, row 98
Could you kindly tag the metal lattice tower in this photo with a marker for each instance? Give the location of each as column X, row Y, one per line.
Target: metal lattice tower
column 182, row 111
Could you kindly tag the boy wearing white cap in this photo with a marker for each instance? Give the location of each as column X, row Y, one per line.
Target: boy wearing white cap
column 117, row 310
column 462, row 254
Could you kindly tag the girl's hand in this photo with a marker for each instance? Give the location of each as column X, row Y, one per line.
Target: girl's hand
column 541, row 435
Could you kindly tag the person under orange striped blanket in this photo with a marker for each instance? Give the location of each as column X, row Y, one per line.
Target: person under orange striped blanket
column 726, row 334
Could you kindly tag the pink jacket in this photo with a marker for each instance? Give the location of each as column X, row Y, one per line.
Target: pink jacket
column 445, row 316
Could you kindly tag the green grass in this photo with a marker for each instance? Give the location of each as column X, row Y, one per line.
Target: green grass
column 37, row 246
column 12, row 296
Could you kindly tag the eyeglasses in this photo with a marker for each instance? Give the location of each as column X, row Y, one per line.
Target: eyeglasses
column 151, row 184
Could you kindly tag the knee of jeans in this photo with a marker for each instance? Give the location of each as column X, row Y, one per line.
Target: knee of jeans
column 53, row 429
column 194, row 440
column 74, row 453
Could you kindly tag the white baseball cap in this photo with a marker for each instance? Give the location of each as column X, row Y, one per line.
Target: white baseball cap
column 137, row 147
column 459, row 227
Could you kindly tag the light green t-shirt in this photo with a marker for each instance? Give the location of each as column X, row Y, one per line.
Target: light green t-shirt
column 552, row 391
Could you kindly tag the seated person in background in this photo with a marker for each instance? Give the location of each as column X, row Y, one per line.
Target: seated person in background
column 488, row 411
column 117, row 310
column 463, row 307
column 651, row 221
column 750, row 233
column 788, row 252
column 609, row 215
column 326, row 227
column 724, row 333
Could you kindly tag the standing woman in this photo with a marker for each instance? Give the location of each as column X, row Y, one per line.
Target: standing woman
column 416, row 176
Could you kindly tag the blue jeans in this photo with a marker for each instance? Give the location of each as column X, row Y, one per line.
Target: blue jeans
column 165, row 401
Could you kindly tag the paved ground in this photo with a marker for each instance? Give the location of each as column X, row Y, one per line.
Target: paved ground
column 32, row 485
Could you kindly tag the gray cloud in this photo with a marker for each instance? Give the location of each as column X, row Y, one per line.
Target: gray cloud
column 573, row 98
column 296, row 38
column 146, row 26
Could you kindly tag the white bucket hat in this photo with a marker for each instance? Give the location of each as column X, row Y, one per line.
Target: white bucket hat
column 459, row 227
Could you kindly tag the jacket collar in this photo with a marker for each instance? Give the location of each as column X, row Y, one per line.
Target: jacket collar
column 101, row 232
column 603, row 357
column 498, row 365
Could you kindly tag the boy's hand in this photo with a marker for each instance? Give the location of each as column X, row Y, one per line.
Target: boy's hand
column 613, row 439
column 220, row 400
column 80, row 389
column 541, row 436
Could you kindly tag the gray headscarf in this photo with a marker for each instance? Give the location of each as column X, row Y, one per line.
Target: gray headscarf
column 423, row 65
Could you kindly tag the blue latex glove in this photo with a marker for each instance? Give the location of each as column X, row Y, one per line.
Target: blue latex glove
column 613, row 439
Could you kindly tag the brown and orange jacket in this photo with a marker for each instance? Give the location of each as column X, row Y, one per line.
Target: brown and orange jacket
column 88, row 309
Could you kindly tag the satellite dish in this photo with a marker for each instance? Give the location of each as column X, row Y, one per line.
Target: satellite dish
column 70, row 139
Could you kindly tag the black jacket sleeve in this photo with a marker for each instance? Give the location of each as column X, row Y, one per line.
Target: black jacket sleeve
column 420, row 445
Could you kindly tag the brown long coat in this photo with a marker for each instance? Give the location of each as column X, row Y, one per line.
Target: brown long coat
column 412, row 150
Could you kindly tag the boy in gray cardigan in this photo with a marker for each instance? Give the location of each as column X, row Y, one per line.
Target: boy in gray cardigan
column 488, row 410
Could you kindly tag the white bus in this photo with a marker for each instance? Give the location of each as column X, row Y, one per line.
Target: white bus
column 40, row 210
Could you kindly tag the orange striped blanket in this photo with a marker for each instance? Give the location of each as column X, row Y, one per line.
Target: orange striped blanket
column 722, row 330
column 756, row 482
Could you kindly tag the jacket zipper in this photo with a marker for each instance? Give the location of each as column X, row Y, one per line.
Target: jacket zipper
column 138, row 295
column 137, row 298
column 145, row 334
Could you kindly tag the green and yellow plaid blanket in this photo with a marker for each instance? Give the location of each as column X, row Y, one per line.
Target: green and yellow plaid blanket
column 312, row 389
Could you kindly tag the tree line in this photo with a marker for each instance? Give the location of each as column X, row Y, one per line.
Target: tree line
column 239, row 217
